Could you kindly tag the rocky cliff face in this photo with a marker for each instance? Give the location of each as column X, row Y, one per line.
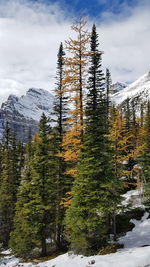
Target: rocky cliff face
column 23, row 113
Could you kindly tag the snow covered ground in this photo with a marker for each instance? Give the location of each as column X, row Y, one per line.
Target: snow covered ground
column 135, row 257
column 140, row 234
column 136, row 251
column 135, row 254
column 132, row 258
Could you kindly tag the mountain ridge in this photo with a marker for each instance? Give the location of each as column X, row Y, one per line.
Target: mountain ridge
column 139, row 91
column 23, row 113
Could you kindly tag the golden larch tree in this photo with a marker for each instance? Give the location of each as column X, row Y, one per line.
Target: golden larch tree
column 122, row 141
column 75, row 83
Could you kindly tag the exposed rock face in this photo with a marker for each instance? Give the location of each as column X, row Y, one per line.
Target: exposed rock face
column 23, row 113
column 117, row 87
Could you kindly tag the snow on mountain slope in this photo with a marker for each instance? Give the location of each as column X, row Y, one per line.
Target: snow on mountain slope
column 23, row 113
column 140, row 89
column 31, row 105
column 117, row 87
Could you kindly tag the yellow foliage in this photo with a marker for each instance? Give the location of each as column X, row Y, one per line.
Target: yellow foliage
column 36, row 138
column 71, row 172
column 126, row 145
column 74, row 83
column 66, row 201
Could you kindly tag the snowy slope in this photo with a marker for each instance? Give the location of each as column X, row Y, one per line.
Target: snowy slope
column 139, row 257
column 140, row 89
column 117, row 87
column 140, row 234
column 135, row 257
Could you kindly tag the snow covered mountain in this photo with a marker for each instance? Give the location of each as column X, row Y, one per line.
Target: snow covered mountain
column 23, row 113
column 117, row 87
column 139, row 91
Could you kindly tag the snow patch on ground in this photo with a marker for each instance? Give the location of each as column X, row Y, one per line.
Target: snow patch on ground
column 140, row 234
column 133, row 198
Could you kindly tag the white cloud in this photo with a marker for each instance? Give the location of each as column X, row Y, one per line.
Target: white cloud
column 30, row 35
column 125, row 40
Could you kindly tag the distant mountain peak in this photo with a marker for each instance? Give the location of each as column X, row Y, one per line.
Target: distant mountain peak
column 139, row 90
column 23, row 113
column 13, row 97
column 32, row 105
column 38, row 91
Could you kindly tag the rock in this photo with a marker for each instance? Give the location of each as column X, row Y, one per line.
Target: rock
column 91, row 262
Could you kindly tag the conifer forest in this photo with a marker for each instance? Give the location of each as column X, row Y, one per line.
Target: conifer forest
column 63, row 190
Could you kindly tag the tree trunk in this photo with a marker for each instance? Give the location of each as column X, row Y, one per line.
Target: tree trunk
column 114, row 226
column 43, row 244
column 58, row 238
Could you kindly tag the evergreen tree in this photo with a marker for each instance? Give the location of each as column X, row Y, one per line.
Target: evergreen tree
column 16, row 167
column 142, row 114
column 37, row 207
column 94, row 185
column 1, row 157
column 21, row 157
column 118, row 141
column 62, row 180
column 9, row 184
column 145, row 157
column 60, row 103
column 22, row 239
column 108, row 89
column 95, row 96
column 132, row 150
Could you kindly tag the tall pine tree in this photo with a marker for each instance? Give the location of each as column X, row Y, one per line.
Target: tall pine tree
column 145, row 156
column 62, row 180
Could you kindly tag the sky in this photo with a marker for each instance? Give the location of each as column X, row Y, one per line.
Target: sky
column 31, row 32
